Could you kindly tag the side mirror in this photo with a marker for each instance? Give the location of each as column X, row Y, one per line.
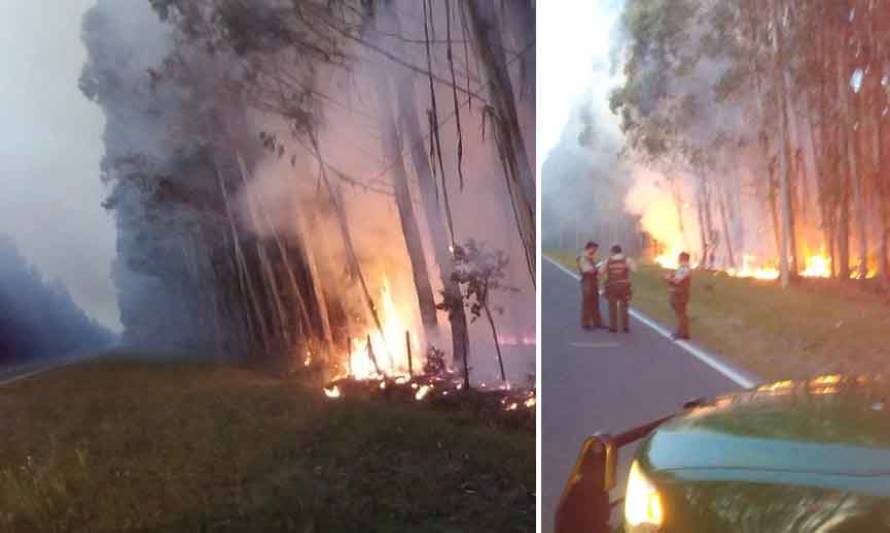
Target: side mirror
column 584, row 504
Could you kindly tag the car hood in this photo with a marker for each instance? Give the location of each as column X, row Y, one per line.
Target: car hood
column 830, row 426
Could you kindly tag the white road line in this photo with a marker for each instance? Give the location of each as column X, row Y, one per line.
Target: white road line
column 594, row 344
column 707, row 358
column 43, row 369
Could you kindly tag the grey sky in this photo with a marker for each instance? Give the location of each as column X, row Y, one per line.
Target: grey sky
column 574, row 45
column 50, row 147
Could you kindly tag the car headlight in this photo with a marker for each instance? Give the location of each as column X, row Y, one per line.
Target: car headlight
column 642, row 503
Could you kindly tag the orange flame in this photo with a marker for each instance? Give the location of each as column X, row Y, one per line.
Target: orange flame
column 388, row 347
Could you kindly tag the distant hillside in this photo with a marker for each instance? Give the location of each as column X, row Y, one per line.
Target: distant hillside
column 39, row 319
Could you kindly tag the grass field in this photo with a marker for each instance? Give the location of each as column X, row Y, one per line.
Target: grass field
column 132, row 446
column 814, row 327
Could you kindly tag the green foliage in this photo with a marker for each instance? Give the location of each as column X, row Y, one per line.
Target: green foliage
column 479, row 271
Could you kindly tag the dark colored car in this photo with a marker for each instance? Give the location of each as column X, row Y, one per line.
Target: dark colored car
column 789, row 456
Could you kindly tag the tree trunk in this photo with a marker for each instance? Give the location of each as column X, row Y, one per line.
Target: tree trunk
column 494, row 336
column 702, row 225
column 303, row 323
column 849, row 105
column 392, row 149
column 772, row 199
column 441, row 238
column 435, row 223
column 727, row 238
column 343, row 222
column 784, row 192
column 317, row 282
column 245, row 279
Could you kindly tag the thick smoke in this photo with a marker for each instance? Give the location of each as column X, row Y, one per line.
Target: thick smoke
column 350, row 139
column 585, row 188
column 38, row 319
column 185, row 162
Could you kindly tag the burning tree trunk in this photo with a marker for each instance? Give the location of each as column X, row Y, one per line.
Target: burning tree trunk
column 392, row 148
column 352, row 261
column 317, row 283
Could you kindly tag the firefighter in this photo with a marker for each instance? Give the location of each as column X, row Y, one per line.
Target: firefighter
column 590, row 296
column 618, row 290
column 679, row 283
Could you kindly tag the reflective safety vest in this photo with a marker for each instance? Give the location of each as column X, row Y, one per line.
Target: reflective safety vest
column 617, row 274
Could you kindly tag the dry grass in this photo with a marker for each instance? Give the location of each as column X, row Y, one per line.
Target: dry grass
column 814, row 327
column 133, row 446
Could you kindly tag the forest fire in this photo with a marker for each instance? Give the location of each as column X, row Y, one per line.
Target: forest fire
column 815, row 266
column 391, row 351
column 390, row 361
column 670, row 229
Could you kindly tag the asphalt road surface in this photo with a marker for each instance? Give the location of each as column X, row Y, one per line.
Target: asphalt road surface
column 601, row 381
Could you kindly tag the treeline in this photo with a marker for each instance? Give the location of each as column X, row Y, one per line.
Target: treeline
column 39, row 320
column 774, row 110
column 201, row 96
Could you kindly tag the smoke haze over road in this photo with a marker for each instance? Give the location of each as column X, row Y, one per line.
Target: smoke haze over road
column 50, row 148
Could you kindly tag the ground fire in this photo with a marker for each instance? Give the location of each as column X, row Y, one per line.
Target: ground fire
column 670, row 228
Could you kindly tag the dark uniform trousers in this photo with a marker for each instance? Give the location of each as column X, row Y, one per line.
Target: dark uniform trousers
column 618, row 308
column 618, row 292
column 590, row 301
column 679, row 300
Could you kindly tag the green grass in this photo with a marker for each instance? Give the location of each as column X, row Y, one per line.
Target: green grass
column 813, row 327
column 132, row 446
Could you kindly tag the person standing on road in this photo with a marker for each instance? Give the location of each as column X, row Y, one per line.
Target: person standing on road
column 618, row 289
column 679, row 284
column 590, row 295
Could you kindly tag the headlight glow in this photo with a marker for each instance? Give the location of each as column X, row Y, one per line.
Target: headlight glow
column 642, row 503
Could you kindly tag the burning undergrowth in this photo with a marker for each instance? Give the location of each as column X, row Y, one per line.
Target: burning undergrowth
column 387, row 360
column 428, row 379
column 445, row 392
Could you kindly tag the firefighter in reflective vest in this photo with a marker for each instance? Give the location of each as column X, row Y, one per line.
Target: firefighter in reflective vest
column 679, row 284
column 590, row 296
column 618, row 291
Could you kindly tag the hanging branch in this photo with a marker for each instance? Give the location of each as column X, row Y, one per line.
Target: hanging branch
column 460, row 137
column 434, row 119
column 398, row 60
column 466, row 39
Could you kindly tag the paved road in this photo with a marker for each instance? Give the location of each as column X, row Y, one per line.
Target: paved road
column 601, row 381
